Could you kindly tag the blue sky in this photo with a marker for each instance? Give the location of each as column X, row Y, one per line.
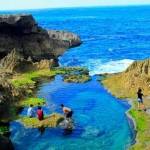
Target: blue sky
column 33, row 4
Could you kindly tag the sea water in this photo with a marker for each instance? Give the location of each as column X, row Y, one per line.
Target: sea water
column 113, row 37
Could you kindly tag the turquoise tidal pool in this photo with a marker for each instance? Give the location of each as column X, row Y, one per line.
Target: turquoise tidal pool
column 99, row 118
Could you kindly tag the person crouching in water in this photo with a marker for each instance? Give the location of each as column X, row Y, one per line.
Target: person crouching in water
column 67, row 112
column 140, row 99
column 40, row 113
column 68, row 122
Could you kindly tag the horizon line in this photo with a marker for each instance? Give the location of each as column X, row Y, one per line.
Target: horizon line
column 70, row 7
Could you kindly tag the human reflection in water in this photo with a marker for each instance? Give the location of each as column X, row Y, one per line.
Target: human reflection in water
column 67, row 132
column 41, row 130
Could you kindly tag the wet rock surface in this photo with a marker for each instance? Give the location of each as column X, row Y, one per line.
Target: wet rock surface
column 5, row 143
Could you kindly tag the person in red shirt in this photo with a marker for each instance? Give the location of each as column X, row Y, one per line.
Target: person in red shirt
column 40, row 113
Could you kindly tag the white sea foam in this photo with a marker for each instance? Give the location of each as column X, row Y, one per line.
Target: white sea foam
column 96, row 66
column 89, row 39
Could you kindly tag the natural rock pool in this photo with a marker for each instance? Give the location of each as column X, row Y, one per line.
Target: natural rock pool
column 100, row 119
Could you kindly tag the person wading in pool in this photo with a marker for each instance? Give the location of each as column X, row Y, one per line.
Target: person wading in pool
column 140, row 99
column 67, row 112
column 68, row 122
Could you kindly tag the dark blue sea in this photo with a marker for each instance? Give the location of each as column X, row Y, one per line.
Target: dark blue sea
column 113, row 37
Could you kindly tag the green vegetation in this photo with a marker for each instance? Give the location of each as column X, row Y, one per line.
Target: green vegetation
column 76, row 78
column 49, row 121
column 34, row 101
column 29, row 79
column 142, row 121
column 4, row 130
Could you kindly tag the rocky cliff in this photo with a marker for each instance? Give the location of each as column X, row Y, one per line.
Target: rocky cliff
column 32, row 41
column 125, row 84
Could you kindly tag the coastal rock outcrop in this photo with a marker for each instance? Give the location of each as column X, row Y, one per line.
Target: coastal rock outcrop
column 30, row 40
column 14, row 62
column 125, row 84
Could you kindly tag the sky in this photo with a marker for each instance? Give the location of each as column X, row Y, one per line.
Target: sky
column 35, row 4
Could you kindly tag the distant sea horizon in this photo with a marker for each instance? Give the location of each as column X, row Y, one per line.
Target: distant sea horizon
column 76, row 7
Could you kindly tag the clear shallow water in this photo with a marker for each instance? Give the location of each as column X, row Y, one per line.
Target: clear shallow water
column 100, row 120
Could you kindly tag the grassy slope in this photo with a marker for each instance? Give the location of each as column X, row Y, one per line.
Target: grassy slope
column 142, row 126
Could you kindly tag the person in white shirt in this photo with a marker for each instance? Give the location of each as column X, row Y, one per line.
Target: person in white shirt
column 67, row 111
column 30, row 112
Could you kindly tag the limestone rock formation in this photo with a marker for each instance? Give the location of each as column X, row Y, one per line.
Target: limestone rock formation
column 140, row 67
column 63, row 39
column 14, row 62
column 30, row 40
column 125, row 84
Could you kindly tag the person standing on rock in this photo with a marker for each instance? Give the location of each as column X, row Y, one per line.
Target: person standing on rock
column 140, row 99
column 30, row 112
column 40, row 113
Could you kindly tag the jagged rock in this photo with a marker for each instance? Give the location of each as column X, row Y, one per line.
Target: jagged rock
column 14, row 62
column 63, row 39
column 23, row 33
column 11, row 61
column 140, row 67
column 45, row 64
